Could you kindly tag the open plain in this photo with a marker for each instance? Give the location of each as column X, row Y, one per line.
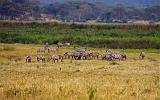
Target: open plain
column 132, row 79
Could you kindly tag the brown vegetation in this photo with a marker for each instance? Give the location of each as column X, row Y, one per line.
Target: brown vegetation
column 132, row 79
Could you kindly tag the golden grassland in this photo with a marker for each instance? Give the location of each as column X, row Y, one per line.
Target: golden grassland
column 132, row 79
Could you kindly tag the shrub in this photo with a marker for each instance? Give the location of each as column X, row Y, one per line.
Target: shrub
column 91, row 92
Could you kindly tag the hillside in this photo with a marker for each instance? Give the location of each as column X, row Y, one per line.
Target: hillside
column 78, row 11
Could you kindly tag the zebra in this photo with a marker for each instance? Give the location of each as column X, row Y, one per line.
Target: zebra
column 114, row 56
column 119, row 56
column 41, row 58
column 29, row 59
column 94, row 55
column 77, row 55
column 46, row 45
column 56, row 58
column 68, row 55
column 81, row 50
column 41, row 50
column 59, row 44
column 85, row 55
column 142, row 55
column 52, row 50
column 108, row 57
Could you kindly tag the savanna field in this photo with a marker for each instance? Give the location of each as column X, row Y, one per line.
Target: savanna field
column 132, row 79
column 95, row 79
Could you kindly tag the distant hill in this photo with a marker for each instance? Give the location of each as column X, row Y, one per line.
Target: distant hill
column 80, row 11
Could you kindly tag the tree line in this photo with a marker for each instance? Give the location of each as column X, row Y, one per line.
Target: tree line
column 102, row 36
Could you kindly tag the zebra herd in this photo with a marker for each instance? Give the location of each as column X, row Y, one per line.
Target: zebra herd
column 79, row 54
column 46, row 47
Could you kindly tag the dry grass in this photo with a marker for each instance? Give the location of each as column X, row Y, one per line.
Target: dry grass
column 77, row 80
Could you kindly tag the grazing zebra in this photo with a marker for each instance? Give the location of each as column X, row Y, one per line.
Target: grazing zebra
column 114, row 56
column 52, row 50
column 29, row 59
column 119, row 56
column 41, row 50
column 77, row 55
column 82, row 50
column 56, row 58
column 94, row 55
column 85, row 55
column 124, row 56
column 41, row 58
column 68, row 55
column 59, row 44
column 108, row 57
column 142, row 55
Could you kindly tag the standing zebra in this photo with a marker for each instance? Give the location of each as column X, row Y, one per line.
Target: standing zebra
column 77, row 55
column 46, row 45
column 81, row 50
column 29, row 59
column 94, row 55
column 108, row 57
column 52, row 50
column 114, row 56
column 41, row 58
column 120, row 56
column 41, row 50
column 85, row 55
column 142, row 55
column 56, row 58
column 68, row 55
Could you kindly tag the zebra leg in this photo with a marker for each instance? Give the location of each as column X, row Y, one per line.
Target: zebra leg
column 30, row 61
